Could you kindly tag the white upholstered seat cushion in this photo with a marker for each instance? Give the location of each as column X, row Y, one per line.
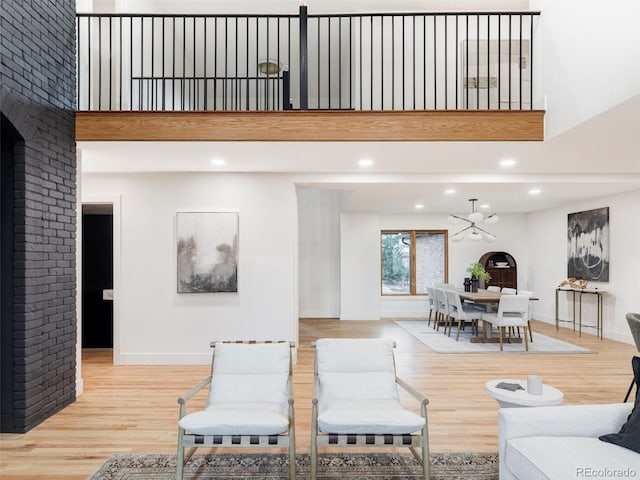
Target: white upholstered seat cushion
column 354, row 355
column 373, row 417
column 239, row 418
column 248, row 393
column 547, row 458
column 248, row 388
column 358, row 393
column 250, row 373
column 358, row 386
column 250, row 358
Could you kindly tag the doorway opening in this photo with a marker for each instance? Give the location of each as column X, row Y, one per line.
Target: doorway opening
column 97, row 275
column 12, row 146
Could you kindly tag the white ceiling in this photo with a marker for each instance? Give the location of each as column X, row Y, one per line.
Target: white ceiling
column 600, row 157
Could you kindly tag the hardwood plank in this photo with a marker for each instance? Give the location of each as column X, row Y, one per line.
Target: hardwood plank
column 317, row 126
column 134, row 409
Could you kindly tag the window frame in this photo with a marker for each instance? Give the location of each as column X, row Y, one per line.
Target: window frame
column 412, row 259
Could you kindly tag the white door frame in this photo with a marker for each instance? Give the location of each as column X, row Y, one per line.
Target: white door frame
column 115, row 201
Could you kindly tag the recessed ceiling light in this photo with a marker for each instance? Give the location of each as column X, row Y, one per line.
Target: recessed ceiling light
column 508, row 162
column 365, row 162
column 419, row 206
column 450, row 191
column 535, row 191
column 484, row 206
column 217, row 162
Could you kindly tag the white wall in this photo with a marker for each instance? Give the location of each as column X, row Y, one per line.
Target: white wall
column 547, row 245
column 590, row 61
column 159, row 326
column 319, row 251
column 360, row 264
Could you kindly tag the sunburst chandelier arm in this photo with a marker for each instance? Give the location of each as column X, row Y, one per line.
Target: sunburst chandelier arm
column 455, row 219
column 473, row 219
column 491, row 219
column 459, row 235
column 481, row 229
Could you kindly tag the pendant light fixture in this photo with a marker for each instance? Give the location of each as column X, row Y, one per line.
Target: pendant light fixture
column 473, row 231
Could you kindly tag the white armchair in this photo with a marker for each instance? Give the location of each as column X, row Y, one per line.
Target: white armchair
column 250, row 402
column 356, row 402
column 561, row 442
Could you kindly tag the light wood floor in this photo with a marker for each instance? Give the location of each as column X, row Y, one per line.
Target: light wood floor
column 133, row 408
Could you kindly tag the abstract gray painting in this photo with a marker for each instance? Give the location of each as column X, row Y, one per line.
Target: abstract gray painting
column 207, row 252
column 588, row 245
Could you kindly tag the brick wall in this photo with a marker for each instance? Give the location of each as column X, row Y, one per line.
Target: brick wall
column 37, row 94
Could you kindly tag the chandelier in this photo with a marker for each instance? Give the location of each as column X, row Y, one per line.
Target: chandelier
column 473, row 231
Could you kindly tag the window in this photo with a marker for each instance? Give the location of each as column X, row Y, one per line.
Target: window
column 413, row 260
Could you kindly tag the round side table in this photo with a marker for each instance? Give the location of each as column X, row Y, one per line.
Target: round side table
column 522, row 398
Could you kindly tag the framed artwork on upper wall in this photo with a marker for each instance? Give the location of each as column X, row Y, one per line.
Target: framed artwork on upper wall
column 588, row 245
column 207, row 252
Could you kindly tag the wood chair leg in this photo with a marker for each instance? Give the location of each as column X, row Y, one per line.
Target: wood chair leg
column 180, row 456
column 530, row 334
column 426, row 458
column 458, row 332
column 526, row 339
column 313, row 468
column 292, row 443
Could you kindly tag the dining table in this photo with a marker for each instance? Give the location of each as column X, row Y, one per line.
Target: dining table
column 488, row 299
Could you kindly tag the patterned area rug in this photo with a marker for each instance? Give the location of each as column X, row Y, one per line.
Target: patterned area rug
column 449, row 466
column 440, row 343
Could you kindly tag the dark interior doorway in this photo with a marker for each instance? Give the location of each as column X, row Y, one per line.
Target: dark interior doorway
column 97, row 275
column 12, row 144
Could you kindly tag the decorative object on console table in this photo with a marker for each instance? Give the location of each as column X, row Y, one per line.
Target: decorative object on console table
column 478, row 273
column 588, row 245
column 502, row 268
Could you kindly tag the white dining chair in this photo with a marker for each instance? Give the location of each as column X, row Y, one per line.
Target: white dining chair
column 433, row 304
column 513, row 311
column 443, row 309
column 457, row 311
column 510, row 291
column 528, row 293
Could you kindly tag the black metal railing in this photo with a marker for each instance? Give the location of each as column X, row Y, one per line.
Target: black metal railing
column 429, row 61
column 382, row 61
column 184, row 62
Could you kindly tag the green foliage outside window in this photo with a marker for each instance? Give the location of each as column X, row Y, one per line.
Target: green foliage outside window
column 395, row 259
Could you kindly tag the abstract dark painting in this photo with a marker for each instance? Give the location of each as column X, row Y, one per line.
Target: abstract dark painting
column 207, row 252
column 588, row 245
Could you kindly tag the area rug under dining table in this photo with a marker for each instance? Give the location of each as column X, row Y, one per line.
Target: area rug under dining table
column 360, row 466
column 441, row 343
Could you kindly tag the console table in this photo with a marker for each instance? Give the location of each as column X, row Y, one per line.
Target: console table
column 579, row 292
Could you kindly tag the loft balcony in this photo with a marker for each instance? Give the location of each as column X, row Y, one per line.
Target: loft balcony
column 444, row 76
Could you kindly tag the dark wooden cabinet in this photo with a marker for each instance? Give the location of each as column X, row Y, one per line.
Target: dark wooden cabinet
column 503, row 269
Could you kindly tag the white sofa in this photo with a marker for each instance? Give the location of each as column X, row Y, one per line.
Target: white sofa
column 561, row 443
